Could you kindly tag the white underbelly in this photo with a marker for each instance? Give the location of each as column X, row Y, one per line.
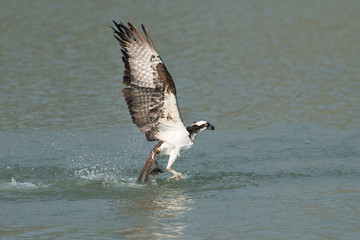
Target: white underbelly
column 170, row 148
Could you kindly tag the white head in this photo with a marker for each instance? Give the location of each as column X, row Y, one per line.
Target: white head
column 198, row 127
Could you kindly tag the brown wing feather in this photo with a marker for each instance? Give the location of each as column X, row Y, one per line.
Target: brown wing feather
column 147, row 81
column 144, row 105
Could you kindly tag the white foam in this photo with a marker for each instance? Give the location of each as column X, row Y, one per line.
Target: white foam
column 13, row 184
column 94, row 174
column 108, row 177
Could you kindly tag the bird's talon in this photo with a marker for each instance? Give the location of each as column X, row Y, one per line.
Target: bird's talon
column 177, row 176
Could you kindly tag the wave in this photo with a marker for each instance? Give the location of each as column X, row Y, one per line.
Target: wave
column 16, row 185
column 92, row 179
column 60, row 177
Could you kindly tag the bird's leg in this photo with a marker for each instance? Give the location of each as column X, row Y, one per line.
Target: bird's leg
column 177, row 175
column 157, row 169
column 171, row 161
column 161, row 168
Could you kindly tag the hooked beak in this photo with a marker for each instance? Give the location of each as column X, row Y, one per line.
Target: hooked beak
column 210, row 127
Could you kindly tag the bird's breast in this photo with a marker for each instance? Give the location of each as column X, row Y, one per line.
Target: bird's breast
column 178, row 146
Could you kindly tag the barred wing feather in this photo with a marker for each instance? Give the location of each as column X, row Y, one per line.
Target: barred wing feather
column 150, row 91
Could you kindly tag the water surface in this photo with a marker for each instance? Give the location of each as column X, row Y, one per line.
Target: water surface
column 278, row 79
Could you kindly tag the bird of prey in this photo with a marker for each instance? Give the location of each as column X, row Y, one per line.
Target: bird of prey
column 151, row 98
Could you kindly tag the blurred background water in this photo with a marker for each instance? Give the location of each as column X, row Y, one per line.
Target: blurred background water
column 278, row 79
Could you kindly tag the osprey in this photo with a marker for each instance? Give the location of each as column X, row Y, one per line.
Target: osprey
column 151, row 98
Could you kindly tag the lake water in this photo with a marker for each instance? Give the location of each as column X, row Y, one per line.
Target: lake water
column 278, row 79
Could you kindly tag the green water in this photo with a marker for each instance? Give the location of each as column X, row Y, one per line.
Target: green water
column 278, row 79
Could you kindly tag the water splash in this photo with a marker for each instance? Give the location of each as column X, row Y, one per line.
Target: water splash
column 15, row 185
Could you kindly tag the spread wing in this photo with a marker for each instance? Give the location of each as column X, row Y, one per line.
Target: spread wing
column 150, row 90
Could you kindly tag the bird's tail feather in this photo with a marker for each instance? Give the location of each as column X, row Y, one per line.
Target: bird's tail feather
column 145, row 171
